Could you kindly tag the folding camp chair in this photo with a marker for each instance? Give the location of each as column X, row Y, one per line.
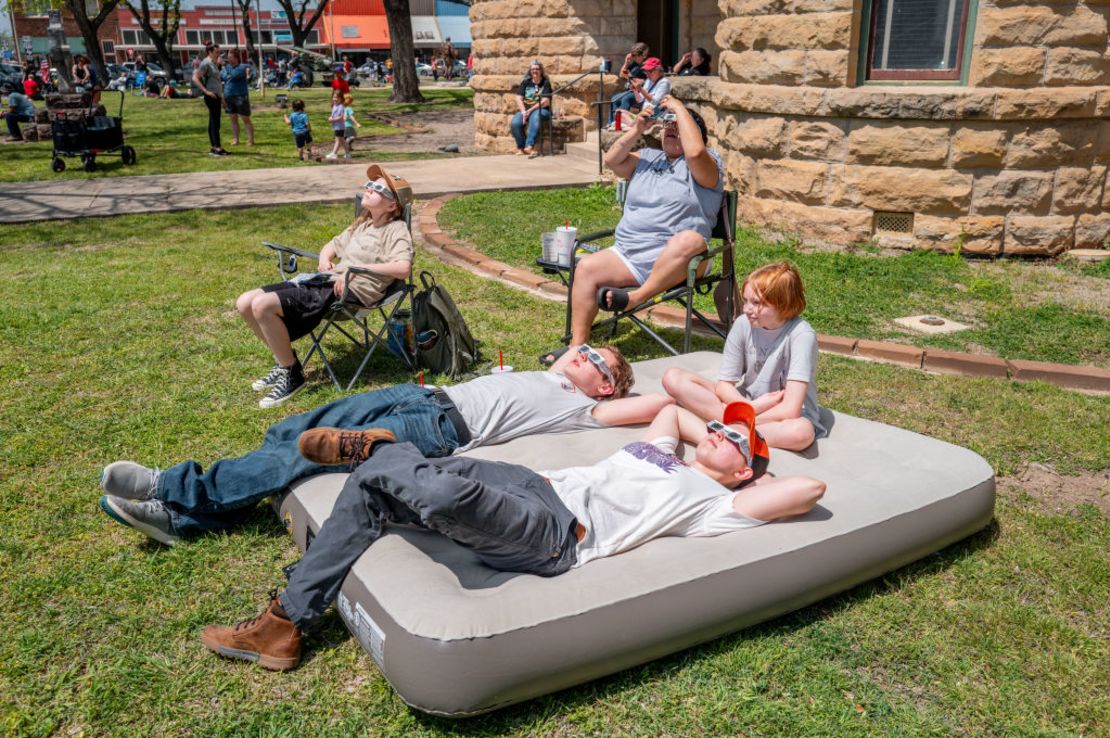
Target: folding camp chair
column 719, row 279
column 349, row 309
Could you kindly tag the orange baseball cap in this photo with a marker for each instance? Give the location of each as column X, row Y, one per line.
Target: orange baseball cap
column 741, row 413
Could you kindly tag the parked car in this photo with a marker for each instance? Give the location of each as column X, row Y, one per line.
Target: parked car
column 423, row 70
column 154, row 72
column 11, row 74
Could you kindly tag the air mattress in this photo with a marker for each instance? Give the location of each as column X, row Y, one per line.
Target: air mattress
column 456, row 638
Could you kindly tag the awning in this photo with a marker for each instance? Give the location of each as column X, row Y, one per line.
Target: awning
column 425, row 32
column 456, row 28
column 355, row 31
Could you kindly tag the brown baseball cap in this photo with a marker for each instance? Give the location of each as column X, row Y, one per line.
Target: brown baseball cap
column 399, row 185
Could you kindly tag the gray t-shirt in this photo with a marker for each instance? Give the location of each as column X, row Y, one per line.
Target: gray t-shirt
column 663, row 199
column 501, row 407
column 209, row 75
column 759, row 361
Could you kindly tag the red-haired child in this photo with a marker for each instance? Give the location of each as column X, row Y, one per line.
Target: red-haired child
column 770, row 360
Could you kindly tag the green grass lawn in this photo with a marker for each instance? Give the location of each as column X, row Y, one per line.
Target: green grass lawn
column 120, row 340
column 171, row 136
column 1016, row 309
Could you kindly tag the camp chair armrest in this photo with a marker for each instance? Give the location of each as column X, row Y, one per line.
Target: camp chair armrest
column 697, row 259
column 291, row 250
column 594, row 235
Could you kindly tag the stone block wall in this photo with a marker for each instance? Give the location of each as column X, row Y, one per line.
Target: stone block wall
column 1013, row 162
column 568, row 36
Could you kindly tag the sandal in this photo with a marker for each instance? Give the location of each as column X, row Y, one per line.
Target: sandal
column 552, row 356
column 617, row 299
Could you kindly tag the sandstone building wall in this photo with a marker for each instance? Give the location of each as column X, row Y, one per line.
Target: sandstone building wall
column 1013, row 162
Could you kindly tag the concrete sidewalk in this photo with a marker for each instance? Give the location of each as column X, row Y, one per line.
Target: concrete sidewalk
column 22, row 202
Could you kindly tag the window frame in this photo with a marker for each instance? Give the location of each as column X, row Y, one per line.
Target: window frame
column 958, row 75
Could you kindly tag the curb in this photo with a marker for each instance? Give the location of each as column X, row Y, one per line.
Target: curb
column 936, row 361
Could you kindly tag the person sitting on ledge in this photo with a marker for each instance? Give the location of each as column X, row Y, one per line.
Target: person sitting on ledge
column 516, row 519
column 582, row 391
column 673, row 198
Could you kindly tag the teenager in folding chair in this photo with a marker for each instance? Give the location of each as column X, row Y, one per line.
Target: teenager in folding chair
column 375, row 251
column 674, row 196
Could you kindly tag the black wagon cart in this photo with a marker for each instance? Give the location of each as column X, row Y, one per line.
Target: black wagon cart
column 88, row 132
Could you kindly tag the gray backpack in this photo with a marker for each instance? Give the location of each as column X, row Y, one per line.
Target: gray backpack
column 445, row 345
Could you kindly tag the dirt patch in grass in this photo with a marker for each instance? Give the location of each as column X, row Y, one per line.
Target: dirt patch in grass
column 427, row 130
column 1058, row 493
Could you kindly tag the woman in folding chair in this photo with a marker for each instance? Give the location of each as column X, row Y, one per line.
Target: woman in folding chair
column 674, row 195
column 281, row 313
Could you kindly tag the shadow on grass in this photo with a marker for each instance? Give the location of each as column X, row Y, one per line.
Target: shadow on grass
column 608, row 689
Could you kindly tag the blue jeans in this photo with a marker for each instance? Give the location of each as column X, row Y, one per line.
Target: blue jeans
column 517, row 127
column 222, row 496
column 506, row 514
column 620, row 101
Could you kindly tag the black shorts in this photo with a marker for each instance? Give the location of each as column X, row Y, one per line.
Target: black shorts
column 302, row 139
column 303, row 306
column 340, row 133
column 238, row 105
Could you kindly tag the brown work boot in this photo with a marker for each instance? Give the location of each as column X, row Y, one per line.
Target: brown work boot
column 271, row 639
column 333, row 446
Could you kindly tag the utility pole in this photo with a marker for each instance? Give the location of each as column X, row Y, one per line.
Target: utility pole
column 261, row 64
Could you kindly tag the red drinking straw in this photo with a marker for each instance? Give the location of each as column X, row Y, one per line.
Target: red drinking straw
column 421, row 379
column 566, row 223
column 500, row 360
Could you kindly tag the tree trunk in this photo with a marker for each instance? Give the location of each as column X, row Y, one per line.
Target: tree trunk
column 406, row 86
column 90, row 28
column 298, row 27
column 245, row 11
column 162, row 38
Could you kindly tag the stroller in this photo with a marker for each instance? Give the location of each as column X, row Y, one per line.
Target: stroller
column 80, row 132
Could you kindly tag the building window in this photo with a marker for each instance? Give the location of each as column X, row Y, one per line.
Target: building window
column 135, row 38
column 192, row 38
column 108, row 47
column 313, row 38
column 916, row 39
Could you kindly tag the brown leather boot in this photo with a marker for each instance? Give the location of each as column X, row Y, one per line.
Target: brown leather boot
column 333, row 446
column 271, row 639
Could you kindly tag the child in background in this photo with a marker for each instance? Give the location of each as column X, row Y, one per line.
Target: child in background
column 338, row 128
column 302, row 130
column 770, row 360
column 349, row 123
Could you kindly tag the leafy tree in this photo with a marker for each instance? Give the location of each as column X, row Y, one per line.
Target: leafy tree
column 245, row 16
column 295, row 12
column 90, row 29
column 160, row 20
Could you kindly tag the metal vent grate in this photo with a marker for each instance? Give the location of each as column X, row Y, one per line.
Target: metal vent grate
column 893, row 222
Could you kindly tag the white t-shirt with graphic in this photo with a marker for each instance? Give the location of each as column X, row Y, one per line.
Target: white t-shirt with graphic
column 643, row 492
column 500, row 407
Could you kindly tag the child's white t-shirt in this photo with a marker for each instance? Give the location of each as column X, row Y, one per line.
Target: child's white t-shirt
column 337, row 117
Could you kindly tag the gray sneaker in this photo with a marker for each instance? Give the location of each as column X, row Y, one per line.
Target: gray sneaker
column 129, row 480
column 146, row 516
column 268, row 381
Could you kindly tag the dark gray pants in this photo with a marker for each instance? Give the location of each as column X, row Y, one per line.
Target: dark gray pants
column 507, row 514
